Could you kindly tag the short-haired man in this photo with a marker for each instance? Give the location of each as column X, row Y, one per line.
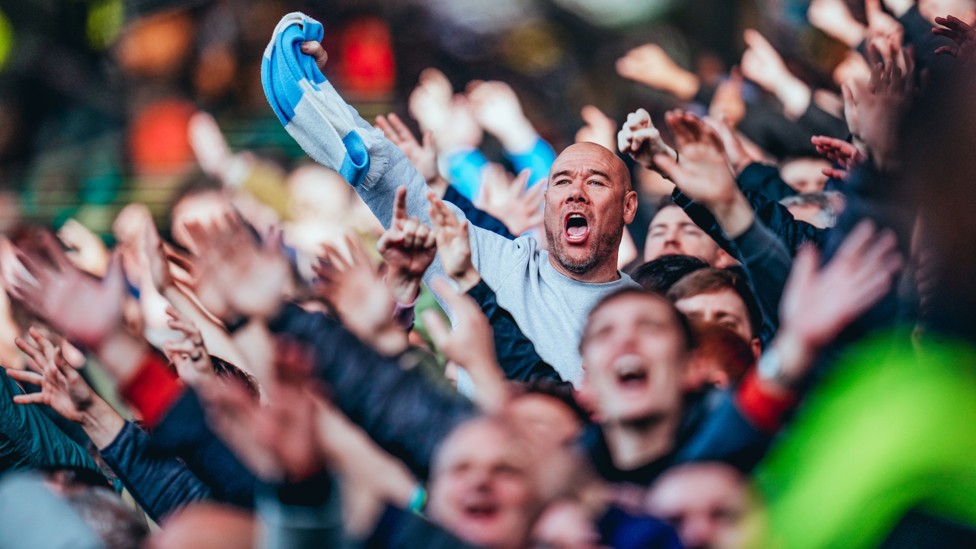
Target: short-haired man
column 672, row 232
column 720, row 297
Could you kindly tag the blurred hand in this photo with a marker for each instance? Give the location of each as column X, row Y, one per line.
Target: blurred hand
column 739, row 156
column 882, row 24
column 839, row 152
column 453, row 244
column 762, row 64
column 818, row 303
column 899, row 7
column 353, row 288
column 874, row 109
column 834, row 18
column 642, row 141
column 597, row 128
column 449, row 118
column 234, row 274
column 497, row 109
column 703, row 172
column 727, row 103
column 62, row 387
column 959, row 32
column 507, row 199
column 469, row 344
column 650, row 65
column 188, row 354
column 85, row 249
column 408, row 248
column 80, row 306
column 423, row 156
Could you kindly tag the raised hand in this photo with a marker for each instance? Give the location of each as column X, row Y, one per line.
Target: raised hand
column 882, row 24
column 85, row 248
column 496, row 107
column 963, row 36
column 188, row 353
column 642, row 141
column 820, row 302
column 234, row 274
column 703, row 172
column 727, row 103
column 507, row 198
column 469, row 344
column 317, row 52
column 834, row 18
column 651, row 66
column 408, row 248
column 874, row 109
column 597, row 128
column 423, row 155
column 354, row 289
column 762, row 64
column 453, row 244
column 83, row 308
column 840, row 152
column 449, row 118
column 739, row 156
column 62, row 387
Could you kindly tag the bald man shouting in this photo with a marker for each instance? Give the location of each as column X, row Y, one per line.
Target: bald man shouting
column 589, row 199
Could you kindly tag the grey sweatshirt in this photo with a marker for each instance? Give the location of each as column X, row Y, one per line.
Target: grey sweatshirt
column 549, row 307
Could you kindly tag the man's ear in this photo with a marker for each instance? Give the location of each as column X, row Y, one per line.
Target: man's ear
column 756, row 347
column 630, row 206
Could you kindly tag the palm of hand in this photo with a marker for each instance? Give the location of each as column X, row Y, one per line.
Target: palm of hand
column 254, row 287
column 83, row 308
column 495, row 106
column 422, row 158
column 70, row 398
column 648, row 64
column 706, row 175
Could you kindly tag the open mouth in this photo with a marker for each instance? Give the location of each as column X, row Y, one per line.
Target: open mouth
column 577, row 227
column 481, row 510
column 632, row 372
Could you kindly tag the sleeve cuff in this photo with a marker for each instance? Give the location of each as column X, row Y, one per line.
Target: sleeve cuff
column 762, row 407
column 153, row 390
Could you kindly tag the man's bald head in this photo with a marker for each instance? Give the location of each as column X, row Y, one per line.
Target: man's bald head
column 620, row 173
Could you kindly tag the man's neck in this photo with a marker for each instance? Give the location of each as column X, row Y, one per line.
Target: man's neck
column 605, row 272
column 635, row 444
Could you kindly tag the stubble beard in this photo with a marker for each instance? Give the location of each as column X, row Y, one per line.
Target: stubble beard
column 605, row 246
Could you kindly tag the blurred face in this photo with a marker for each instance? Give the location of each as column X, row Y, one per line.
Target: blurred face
column 565, row 525
column 805, row 175
column 723, row 307
column 672, row 232
column 481, row 489
column 703, row 502
column 634, row 353
column 588, row 202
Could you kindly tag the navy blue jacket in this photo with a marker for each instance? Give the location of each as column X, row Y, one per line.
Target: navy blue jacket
column 160, row 484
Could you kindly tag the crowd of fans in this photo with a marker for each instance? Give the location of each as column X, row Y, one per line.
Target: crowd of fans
column 746, row 322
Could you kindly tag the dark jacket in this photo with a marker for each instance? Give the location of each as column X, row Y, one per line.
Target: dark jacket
column 160, row 484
